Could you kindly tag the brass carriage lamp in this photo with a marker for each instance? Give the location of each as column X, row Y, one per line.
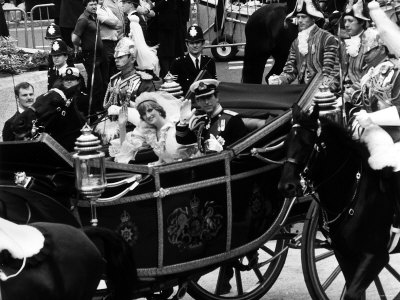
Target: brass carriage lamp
column 89, row 164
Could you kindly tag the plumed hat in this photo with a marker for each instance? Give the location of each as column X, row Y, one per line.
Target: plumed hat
column 125, row 46
column 308, row 7
column 59, row 47
column 53, row 32
column 194, row 34
column 357, row 11
column 204, row 87
column 70, row 73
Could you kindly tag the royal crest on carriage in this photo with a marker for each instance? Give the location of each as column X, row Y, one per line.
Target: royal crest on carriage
column 128, row 229
column 190, row 226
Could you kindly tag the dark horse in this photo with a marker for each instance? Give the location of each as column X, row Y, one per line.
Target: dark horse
column 69, row 265
column 269, row 33
column 357, row 201
column 58, row 112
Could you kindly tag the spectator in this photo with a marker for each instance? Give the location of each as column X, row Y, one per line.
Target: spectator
column 70, row 10
column 109, row 27
column 186, row 68
column 3, row 24
column 222, row 127
column 170, row 31
column 313, row 51
column 115, row 7
column 24, row 94
column 133, row 14
column 86, row 36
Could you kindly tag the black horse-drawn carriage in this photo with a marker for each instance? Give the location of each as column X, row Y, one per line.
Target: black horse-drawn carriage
column 186, row 220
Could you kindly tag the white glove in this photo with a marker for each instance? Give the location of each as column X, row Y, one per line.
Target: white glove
column 274, row 80
column 113, row 110
column 186, row 112
column 363, row 118
column 213, row 145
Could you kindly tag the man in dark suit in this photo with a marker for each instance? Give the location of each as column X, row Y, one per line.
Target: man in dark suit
column 187, row 67
column 24, row 94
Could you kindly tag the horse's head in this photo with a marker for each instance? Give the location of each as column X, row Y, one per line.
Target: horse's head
column 299, row 143
column 40, row 113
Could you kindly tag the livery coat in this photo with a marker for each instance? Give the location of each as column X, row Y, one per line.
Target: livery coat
column 321, row 56
column 185, row 70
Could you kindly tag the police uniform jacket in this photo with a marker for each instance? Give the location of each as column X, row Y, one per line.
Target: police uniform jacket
column 226, row 126
column 321, row 56
column 183, row 67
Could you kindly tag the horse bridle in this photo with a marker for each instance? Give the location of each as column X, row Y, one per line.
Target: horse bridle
column 307, row 184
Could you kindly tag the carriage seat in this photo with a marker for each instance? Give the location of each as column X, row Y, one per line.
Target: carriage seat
column 20, row 240
column 253, row 123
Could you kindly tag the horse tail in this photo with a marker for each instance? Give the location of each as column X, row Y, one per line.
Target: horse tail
column 120, row 265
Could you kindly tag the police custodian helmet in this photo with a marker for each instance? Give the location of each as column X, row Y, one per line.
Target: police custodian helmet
column 194, row 34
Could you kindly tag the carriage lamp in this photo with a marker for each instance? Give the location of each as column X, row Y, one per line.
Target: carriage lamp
column 89, row 164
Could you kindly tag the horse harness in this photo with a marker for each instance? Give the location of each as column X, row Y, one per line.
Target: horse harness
column 307, row 184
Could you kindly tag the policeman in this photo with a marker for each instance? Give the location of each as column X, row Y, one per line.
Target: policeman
column 186, row 68
column 59, row 58
column 223, row 127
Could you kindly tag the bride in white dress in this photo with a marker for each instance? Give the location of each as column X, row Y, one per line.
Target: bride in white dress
column 155, row 117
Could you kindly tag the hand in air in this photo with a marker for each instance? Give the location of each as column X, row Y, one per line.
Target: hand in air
column 274, row 80
column 186, row 112
column 113, row 110
column 123, row 116
column 213, row 145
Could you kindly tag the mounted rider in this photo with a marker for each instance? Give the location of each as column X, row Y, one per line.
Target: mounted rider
column 124, row 86
column 313, row 51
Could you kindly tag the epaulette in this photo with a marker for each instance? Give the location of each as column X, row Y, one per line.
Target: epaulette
column 144, row 75
column 230, row 112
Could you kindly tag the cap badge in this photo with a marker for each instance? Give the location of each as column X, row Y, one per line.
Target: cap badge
column 193, row 32
column 69, row 71
column 56, row 46
column 51, row 29
column 202, row 86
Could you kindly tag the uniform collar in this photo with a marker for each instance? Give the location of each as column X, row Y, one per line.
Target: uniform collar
column 217, row 111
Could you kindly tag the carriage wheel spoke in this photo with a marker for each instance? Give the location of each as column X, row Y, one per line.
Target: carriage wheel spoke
column 258, row 274
column 324, row 256
column 393, row 272
column 331, row 278
column 343, row 292
column 267, row 250
column 380, row 289
column 239, row 283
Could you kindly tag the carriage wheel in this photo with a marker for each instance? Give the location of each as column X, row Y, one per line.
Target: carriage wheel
column 322, row 273
column 225, row 52
column 251, row 280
